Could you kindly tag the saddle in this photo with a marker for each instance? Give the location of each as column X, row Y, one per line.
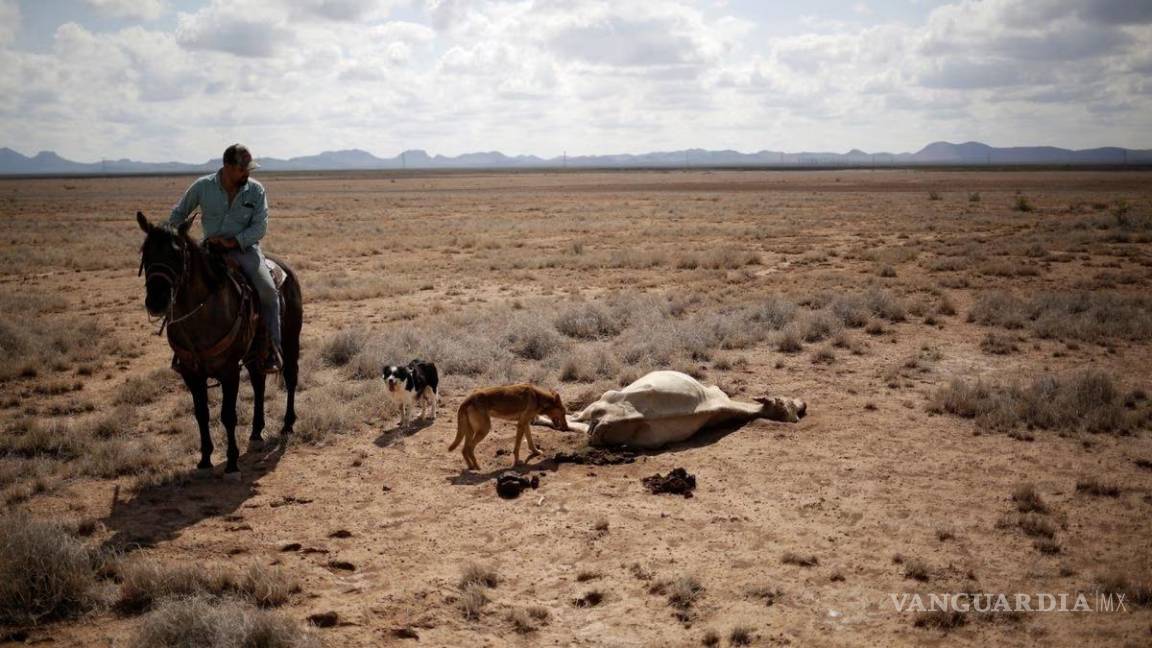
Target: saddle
column 247, row 323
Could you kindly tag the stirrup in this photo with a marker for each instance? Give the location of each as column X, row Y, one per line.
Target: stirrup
column 273, row 363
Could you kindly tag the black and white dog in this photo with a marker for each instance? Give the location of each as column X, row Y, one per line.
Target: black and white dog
column 418, row 382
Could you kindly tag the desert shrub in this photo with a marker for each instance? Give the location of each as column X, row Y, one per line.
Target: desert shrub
column 30, row 343
column 1000, row 309
column 119, row 457
column 1087, row 400
column 587, row 365
column 588, row 322
column 998, row 344
column 339, row 349
column 45, row 573
column 820, row 325
column 773, row 313
column 851, row 310
column 885, row 305
column 974, row 197
column 1022, row 204
column 207, row 623
column 141, row 390
column 329, row 410
column 530, row 337
column 789, row 340
column 52, row 438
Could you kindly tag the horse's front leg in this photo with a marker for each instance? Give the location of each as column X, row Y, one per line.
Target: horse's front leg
column 198, row 385
column 229, row 386
column 256, row 375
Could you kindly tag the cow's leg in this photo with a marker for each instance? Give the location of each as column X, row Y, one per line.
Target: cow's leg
column 229, row 386
column 199, row 388
column 257, row 377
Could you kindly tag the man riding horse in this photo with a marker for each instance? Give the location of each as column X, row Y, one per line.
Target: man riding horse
column 234, row 212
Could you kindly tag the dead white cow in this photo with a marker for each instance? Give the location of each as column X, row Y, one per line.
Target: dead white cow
column 667, row 407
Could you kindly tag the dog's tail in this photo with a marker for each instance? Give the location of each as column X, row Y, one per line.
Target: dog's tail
column 462, row 425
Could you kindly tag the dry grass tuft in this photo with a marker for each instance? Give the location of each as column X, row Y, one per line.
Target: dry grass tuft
column 791, row 558
column 478, row 575
column 916, row 569
column 45, row 573
column 1136, row 594
column 741, row 636
column 208, row 623
column 146, row 582
column 1075, row 315
column 1095, row 486
column 684, row 592
column 1028, row 500
column 941, row 620
column 339, row 349
column 472, row 600
column 1087, row 401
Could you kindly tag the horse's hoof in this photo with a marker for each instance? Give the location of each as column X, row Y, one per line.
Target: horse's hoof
column 203, row 472
column 232, row 476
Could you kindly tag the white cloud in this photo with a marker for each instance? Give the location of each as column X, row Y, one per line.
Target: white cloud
column 586, row 76
column 238, row 29
column 9, row 20
column 136, row 9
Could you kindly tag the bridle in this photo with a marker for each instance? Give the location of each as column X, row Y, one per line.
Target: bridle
column 161, row 270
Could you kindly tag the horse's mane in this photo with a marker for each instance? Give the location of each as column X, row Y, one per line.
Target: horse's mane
column 213, row 261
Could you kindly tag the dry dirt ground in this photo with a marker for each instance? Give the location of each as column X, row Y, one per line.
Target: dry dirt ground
column 919, row 313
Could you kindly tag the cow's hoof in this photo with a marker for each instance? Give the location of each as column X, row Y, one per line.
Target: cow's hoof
column 232, row 476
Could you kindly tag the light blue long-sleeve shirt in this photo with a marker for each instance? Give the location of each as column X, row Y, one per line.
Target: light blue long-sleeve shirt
column 246, row 219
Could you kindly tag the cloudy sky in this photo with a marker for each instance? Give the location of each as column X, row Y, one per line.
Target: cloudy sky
column 159, row 80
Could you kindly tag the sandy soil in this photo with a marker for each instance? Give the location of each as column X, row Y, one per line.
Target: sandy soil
column 869, row 475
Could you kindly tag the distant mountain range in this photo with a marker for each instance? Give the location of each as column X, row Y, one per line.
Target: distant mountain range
column 937, row 153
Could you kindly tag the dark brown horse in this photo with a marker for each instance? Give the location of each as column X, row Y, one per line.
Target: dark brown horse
column 213, row 328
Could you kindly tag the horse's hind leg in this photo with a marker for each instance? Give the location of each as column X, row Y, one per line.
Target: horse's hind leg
column 291, row 372
column 229, row 386
column 199, row 388
column 257, row 377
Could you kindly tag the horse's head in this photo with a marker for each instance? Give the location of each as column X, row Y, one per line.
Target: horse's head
column 163, row 261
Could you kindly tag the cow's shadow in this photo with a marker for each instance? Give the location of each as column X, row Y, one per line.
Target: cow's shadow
column 397, row 433
column 160, row 512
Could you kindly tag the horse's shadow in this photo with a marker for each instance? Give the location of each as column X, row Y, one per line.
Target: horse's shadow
column 388, row 437
column 160, row 512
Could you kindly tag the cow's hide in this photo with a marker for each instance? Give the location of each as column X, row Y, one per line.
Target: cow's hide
column 667, row 407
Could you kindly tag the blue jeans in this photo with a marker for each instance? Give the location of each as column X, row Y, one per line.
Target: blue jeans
column 251, row 261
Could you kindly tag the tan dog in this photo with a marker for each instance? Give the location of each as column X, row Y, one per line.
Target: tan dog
column 520, row 403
